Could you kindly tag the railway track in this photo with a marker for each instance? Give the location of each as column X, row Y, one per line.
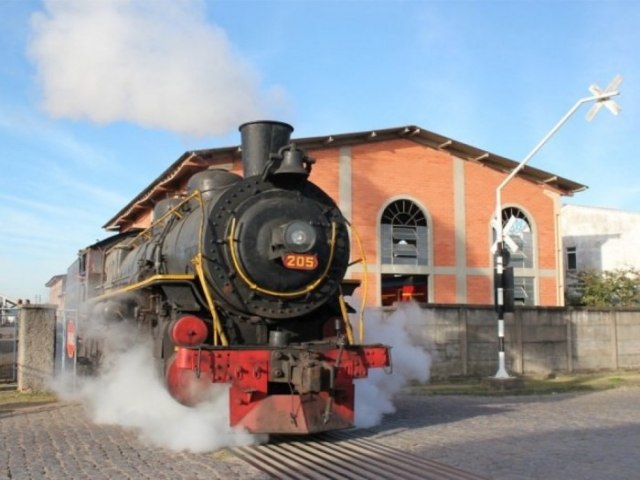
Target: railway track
column 343, row 456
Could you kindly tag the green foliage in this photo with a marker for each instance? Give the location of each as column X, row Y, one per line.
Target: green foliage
column 611, row 288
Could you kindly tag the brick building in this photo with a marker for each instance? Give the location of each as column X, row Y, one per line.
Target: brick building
column 422, row 205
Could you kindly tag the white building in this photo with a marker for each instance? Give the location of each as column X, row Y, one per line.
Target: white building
column 598, row 239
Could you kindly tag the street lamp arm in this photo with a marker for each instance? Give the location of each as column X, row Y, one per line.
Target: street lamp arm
column 536, row 149
column 563, row 120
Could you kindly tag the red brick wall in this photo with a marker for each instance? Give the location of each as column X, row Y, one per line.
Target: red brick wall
column 445, row 289
column 325, row 171
column 479, row 290
column 401, row 168
column 548, row 291
column 382, row 171
column 480, row 190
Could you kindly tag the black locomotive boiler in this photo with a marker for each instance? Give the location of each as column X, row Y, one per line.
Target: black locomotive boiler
column 241, row 281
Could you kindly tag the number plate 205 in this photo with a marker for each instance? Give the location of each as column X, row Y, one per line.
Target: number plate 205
column 300, row 261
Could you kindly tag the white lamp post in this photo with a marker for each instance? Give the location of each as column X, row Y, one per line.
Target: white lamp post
column 602, row 98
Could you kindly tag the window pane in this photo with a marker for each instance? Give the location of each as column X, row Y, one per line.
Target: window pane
column 404, row 288
column 386, row 243
column 572, row 258
column 523, row 293
column 404, row 233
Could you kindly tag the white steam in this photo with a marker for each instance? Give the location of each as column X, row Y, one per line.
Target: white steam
column 129, row 392
column 374, row 395
column 156, row 63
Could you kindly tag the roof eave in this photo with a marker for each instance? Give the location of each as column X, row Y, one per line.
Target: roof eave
column 197, row 159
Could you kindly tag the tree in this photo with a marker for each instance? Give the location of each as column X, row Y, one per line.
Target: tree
column 610, row 288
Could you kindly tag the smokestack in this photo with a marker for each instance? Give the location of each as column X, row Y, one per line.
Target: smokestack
column 259, row 140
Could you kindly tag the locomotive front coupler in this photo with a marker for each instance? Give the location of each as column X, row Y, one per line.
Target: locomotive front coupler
column 302, row 369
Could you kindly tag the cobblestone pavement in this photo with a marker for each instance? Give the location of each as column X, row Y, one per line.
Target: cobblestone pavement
column 586, row 436
column 569, row 436
column 59, row 442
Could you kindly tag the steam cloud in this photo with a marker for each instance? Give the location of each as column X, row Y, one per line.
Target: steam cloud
column 374, row 395
column 129, row 392
column 156, row 63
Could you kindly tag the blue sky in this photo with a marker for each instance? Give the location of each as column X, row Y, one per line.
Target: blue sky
column 97, row 98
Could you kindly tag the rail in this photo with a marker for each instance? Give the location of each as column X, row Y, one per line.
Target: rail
column 339, row 455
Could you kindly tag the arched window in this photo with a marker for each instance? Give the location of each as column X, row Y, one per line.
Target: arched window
column 518, row 239
column 404, row 252
column 404, row 234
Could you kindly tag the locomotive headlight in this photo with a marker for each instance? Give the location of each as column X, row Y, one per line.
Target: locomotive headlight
column 299, row 237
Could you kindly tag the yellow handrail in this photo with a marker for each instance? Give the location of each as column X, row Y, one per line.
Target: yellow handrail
column 345, row 316
column 365, row 280
column 199, row 265
column 144, row 283
column 218, row 333
column 146, row 233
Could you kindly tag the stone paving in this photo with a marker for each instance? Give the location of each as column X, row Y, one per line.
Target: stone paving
column 569, row 436
column 60, row 442
column 586, row 436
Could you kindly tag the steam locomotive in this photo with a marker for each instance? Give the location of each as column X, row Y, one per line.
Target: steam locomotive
column 240, row 281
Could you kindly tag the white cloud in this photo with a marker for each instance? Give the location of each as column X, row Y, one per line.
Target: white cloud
column 156, row 63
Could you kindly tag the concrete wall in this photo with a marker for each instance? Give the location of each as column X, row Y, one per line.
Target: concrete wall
column 36, row 340
column 463, row 340
column 539, row 340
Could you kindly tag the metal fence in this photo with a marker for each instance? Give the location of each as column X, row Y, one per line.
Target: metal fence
column 8, row 344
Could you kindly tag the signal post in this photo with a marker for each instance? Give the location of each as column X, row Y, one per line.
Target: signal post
column 602, row 98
